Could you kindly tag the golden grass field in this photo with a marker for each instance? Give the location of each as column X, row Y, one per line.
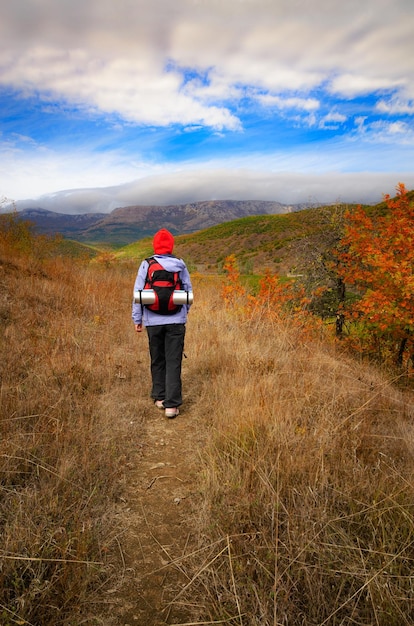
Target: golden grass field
column 305, row 515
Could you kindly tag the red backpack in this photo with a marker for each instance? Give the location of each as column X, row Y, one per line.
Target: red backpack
column 164, row 283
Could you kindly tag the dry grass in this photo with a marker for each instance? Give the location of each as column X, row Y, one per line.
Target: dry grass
column 307, row 477
column 65, row 343
column 308, row 482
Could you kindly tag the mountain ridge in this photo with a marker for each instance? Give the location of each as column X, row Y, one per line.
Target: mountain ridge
column 125, row 225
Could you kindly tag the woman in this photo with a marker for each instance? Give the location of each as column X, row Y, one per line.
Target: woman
column 165, row 329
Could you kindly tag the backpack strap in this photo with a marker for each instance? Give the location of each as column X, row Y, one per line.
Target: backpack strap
column 151, row 261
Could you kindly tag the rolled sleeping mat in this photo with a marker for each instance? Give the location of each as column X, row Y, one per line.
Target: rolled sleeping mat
column 147, row 296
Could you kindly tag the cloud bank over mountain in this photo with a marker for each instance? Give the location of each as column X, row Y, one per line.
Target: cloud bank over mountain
column 219, row 185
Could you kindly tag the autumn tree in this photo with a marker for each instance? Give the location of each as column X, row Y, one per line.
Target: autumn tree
column 377, row 262
column 317, row 265
column 232, row 290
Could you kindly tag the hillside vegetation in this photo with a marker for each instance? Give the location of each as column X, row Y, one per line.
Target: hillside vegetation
column 278, row 242
column 258, row 242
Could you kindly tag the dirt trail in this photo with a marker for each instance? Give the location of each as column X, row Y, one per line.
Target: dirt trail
column 161, row 491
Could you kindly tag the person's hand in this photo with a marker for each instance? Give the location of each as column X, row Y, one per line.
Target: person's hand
column 138, row 328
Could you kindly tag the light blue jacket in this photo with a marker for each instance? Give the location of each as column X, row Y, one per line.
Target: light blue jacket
column 171, row 264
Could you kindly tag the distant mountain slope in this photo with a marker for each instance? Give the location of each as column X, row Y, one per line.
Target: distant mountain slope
column 127, row 224
column 50, row 223
column 259, row 242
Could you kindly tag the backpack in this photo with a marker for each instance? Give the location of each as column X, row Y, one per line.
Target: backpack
column 164, row 283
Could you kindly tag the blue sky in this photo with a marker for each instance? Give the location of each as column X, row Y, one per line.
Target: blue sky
column 105, row 104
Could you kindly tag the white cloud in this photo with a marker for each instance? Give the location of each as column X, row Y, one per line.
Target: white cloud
column 396, row 106
column 124, row 87
column 332, row 120
column 397, row 133
column 350, row 85
column 306, row 104
column 113, row 56
column 389, row 132
column 215, row 87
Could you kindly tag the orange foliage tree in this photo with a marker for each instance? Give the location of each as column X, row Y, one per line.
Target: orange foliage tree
column 377, row 260
column 275, row 299
column 232, row 291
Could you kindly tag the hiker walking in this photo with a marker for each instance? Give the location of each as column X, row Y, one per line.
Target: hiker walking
column 164, row 320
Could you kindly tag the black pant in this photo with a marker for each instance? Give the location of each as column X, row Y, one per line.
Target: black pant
column 166, row 345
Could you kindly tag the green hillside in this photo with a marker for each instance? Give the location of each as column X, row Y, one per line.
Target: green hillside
column 259, row 242
column 75, row 249
column 137, row 250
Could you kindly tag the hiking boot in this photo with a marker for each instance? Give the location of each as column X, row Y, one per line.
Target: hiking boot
column 159, row 404
column 172, row 412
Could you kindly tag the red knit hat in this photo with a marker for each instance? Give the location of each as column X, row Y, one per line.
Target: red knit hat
column 163, row 242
